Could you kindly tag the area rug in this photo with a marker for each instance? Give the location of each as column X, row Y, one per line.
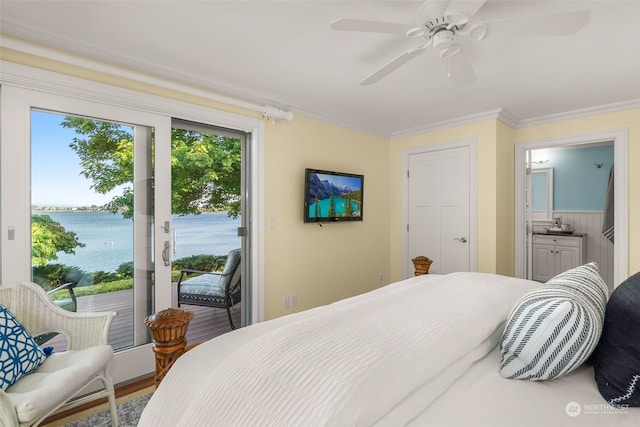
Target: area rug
column 129, row 410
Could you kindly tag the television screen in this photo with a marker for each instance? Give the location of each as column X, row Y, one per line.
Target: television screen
column 332, row 196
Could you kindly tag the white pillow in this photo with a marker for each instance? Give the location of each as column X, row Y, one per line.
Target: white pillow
column 555, row 328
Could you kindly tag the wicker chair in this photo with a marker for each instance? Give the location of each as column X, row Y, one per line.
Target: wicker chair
column 69, row 304
column 212, row 289
column 54, row 385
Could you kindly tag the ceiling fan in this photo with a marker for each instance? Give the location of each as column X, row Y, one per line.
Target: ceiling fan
column 441, row 24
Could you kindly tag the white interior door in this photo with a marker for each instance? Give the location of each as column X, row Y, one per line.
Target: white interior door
column 439, row 218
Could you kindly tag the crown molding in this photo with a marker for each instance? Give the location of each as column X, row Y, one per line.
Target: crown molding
column 508, row 118
column 280, row 112
column 583, row 112
column 271, row 112
column 446, row 124
column 513, row 121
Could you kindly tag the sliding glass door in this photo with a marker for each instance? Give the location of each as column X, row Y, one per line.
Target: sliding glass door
column 86, row 173
column 207, row 213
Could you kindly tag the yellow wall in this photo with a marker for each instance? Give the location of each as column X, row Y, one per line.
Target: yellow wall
column 337, row 260
column 629, row 120
column 505, row 205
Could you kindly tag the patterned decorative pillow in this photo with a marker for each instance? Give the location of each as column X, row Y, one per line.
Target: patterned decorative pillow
column 616, row 360
column 555, row 328
column 19, row 353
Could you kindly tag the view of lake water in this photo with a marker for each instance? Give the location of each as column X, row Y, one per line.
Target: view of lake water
column 109, row 238
column 325, row 204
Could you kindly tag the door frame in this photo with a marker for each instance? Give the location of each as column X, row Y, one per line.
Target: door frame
column 620, row 143
column 471, row 143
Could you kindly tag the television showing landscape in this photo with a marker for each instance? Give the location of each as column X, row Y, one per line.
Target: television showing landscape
column 332, row 196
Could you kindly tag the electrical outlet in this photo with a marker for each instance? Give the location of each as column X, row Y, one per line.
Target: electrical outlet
column 294, row 300
column 380, row 277
column 285, row 302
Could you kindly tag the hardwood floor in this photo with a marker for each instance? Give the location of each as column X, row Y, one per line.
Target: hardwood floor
column 121, row 390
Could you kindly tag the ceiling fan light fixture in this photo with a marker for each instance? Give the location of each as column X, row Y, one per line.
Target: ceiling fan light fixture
column 443, row 39
column 478, row 32
column 456, row 17
column 452, row 50
column 417, row 32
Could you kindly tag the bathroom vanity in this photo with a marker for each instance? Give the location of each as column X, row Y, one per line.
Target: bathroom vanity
column 554, row 253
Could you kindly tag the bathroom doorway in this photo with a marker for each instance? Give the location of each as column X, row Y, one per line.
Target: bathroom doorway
column 579, row 168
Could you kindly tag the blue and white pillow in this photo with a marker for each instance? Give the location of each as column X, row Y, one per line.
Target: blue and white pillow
column 554, row 328
column 19, row 353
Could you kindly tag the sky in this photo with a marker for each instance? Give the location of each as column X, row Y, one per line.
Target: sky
column 341, row 180
column 55, row 171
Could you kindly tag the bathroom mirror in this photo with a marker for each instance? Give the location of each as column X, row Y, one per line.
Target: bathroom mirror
column 542, row 194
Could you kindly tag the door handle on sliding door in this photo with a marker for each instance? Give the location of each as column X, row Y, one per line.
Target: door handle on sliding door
column 461, row 239
column 166, row 257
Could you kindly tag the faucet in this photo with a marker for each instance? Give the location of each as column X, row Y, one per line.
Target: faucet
column 557, row 222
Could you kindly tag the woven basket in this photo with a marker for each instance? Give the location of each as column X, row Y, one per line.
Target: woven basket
column 422, row 265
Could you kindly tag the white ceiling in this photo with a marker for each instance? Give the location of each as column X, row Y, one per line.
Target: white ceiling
column 284, row 53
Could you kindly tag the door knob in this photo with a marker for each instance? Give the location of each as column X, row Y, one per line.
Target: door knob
column 461, row 239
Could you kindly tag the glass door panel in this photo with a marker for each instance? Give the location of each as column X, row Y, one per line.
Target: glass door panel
column 92, row 218
column 206, row 206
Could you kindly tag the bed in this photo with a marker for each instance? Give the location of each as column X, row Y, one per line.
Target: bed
column 425, row 351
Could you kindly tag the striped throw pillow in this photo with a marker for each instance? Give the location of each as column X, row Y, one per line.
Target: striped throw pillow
column 555, row 328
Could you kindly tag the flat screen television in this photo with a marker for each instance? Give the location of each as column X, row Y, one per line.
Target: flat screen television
column 332, row 196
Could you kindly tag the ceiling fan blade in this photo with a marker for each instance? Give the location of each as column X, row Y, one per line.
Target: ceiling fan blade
column 388, row 68
column 428, row 10
column 346, row 24
column 562, row 24
column 468, row 7
column 459, row 68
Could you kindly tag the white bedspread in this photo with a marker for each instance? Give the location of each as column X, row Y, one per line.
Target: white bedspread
column 381, row 357
column 482, row 398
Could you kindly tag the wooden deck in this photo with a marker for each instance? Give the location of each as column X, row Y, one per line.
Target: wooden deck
column 206, row 324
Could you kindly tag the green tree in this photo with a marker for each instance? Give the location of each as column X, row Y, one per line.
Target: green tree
column 205, row 168
column 48, row 238
column 205, row 173
column 317, row 205
column 348, row 206
column 332, row 206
